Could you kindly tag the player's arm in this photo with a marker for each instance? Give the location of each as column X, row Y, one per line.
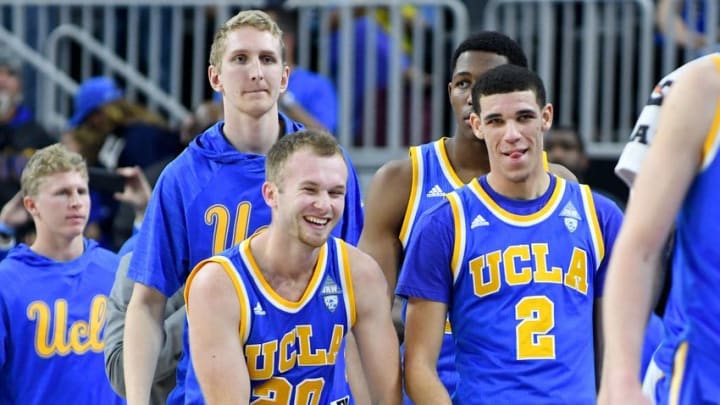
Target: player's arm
column 426, row 280
column 562, row 171
column 217, row 353
column 114, row 329
column 424, row 330
column 143, row 338
column 374, row 331
column 158, row 265
column 659, row 189
column 385, row 206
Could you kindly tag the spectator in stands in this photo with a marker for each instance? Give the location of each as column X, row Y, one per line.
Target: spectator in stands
column 202, row 117
column 20, row 134
column 115, row 132
column 310, row 97
column 678, row 19
column 565, row 146
column 383, row 56
column 112, row 132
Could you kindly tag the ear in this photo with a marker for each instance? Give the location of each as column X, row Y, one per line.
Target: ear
column 269, row 192
column 214, row 78
column 547, row 117
column 476, row 124
column 285, row 78
column 30, row 206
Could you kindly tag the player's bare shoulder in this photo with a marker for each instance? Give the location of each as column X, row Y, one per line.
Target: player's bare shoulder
column 389, row 191
column 396, row 175
column 562, row 171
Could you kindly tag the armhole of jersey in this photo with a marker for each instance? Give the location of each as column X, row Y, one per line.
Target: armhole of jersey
column 546, row 163
column 593, row 224
column 414, row 199
column 459, row 224
column 712, row 139
column 243, row 302
column 346, row 281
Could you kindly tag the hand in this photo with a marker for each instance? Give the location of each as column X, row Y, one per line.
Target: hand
column 13, row 213
column 137, row 189
column 622, row 392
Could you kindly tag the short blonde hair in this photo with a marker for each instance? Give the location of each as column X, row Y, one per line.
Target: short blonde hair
column 56, row 158
column 320, row 142
column 246, row 18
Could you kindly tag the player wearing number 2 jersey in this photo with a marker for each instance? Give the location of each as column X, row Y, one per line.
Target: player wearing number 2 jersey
column 209, row 198
column 517, row 260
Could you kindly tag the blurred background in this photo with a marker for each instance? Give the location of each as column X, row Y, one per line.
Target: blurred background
column 384, row 63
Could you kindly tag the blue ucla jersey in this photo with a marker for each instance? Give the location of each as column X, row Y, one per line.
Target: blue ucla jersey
column 696, row 368
column 520, row 279
column 305, row 336
column 208, row 199
column 629, row 163
column 432, row 177
column 52, row 316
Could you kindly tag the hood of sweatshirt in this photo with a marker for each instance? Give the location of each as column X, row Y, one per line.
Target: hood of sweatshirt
column 213, row 145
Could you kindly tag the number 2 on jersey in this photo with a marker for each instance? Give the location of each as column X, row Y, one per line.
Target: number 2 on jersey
column 538, row 318
column 218, row 216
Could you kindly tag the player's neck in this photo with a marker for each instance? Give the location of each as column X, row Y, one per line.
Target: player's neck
column 287, row 267
column 535, row 185
column 252, row 134
column 58, row 247
column 277, row 252
column 468, row 157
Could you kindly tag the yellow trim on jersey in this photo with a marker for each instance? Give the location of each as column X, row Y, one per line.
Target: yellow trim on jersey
column 445, row 164
column 678, row 373
column 271, row 295
column 414, row 199
column 515, row 219
column 546, row 163
column 458, row 252
column 346, row 281
column 593, row 224
column 712, row 140
column 243, row 302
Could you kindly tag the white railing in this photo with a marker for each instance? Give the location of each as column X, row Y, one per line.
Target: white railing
column 596, row 58
column 158, row 51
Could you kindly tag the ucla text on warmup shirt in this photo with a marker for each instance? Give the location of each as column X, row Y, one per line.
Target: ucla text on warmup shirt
column 52, row 316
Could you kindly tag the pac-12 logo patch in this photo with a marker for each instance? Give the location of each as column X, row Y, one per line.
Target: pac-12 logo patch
column 330, row 292
column 570, row 216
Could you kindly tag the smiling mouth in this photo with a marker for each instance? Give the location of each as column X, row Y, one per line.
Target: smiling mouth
column 317, row 220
